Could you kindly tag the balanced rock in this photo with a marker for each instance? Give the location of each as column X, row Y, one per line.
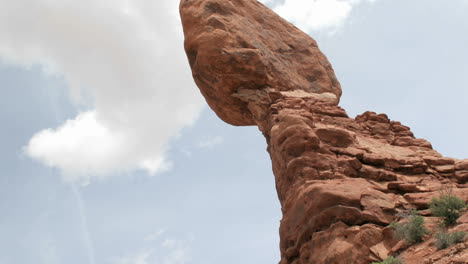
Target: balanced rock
column 241, row 44
column 340, row 181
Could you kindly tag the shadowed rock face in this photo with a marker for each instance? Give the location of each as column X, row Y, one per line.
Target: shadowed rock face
column 340, row 180
column 241, row 44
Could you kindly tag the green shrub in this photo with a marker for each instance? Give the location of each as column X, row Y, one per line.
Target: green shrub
column 411, row 231
column 447, row 206
column 445, row 239
column 389, row 260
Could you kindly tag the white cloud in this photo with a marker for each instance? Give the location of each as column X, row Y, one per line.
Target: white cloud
column 268, row 2
column 155, row 235
column 166, row 251
column 210, row 143
column 123, row 58
column 178, row 251
column 316, row 15
column 142, row 257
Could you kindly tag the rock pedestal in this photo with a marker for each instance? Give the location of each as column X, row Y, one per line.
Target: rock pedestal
column 340, row 181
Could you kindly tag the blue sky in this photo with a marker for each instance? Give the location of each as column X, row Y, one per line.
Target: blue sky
column 109, row 154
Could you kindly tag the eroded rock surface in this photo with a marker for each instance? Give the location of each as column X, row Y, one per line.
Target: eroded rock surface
column 340, row 180
column 242, row 44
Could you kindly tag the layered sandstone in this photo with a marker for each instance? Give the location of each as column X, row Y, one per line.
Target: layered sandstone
column 340, row 180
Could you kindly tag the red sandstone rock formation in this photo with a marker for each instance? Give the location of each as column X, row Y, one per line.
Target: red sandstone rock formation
column 233, row 45
column 340, row 181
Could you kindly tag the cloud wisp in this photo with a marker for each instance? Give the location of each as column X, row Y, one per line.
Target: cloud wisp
column 88, row 242
column 124, row 62
column 160, row 250
column 211, row 142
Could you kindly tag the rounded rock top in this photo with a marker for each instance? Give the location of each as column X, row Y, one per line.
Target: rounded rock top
column 243, row 45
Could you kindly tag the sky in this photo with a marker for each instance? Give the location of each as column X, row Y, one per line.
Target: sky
column 109, row 154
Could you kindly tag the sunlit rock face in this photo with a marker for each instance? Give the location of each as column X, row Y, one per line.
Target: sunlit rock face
column 341, row 181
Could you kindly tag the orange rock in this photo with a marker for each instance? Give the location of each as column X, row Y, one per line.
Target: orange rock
column 463, row 219
column 462, row 165
column 461, row 176
column 243, row 44
column 340, row 181
column 422, row 200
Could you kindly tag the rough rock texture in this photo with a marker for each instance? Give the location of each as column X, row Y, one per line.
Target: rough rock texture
column 340, row 180
column 241, row 44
